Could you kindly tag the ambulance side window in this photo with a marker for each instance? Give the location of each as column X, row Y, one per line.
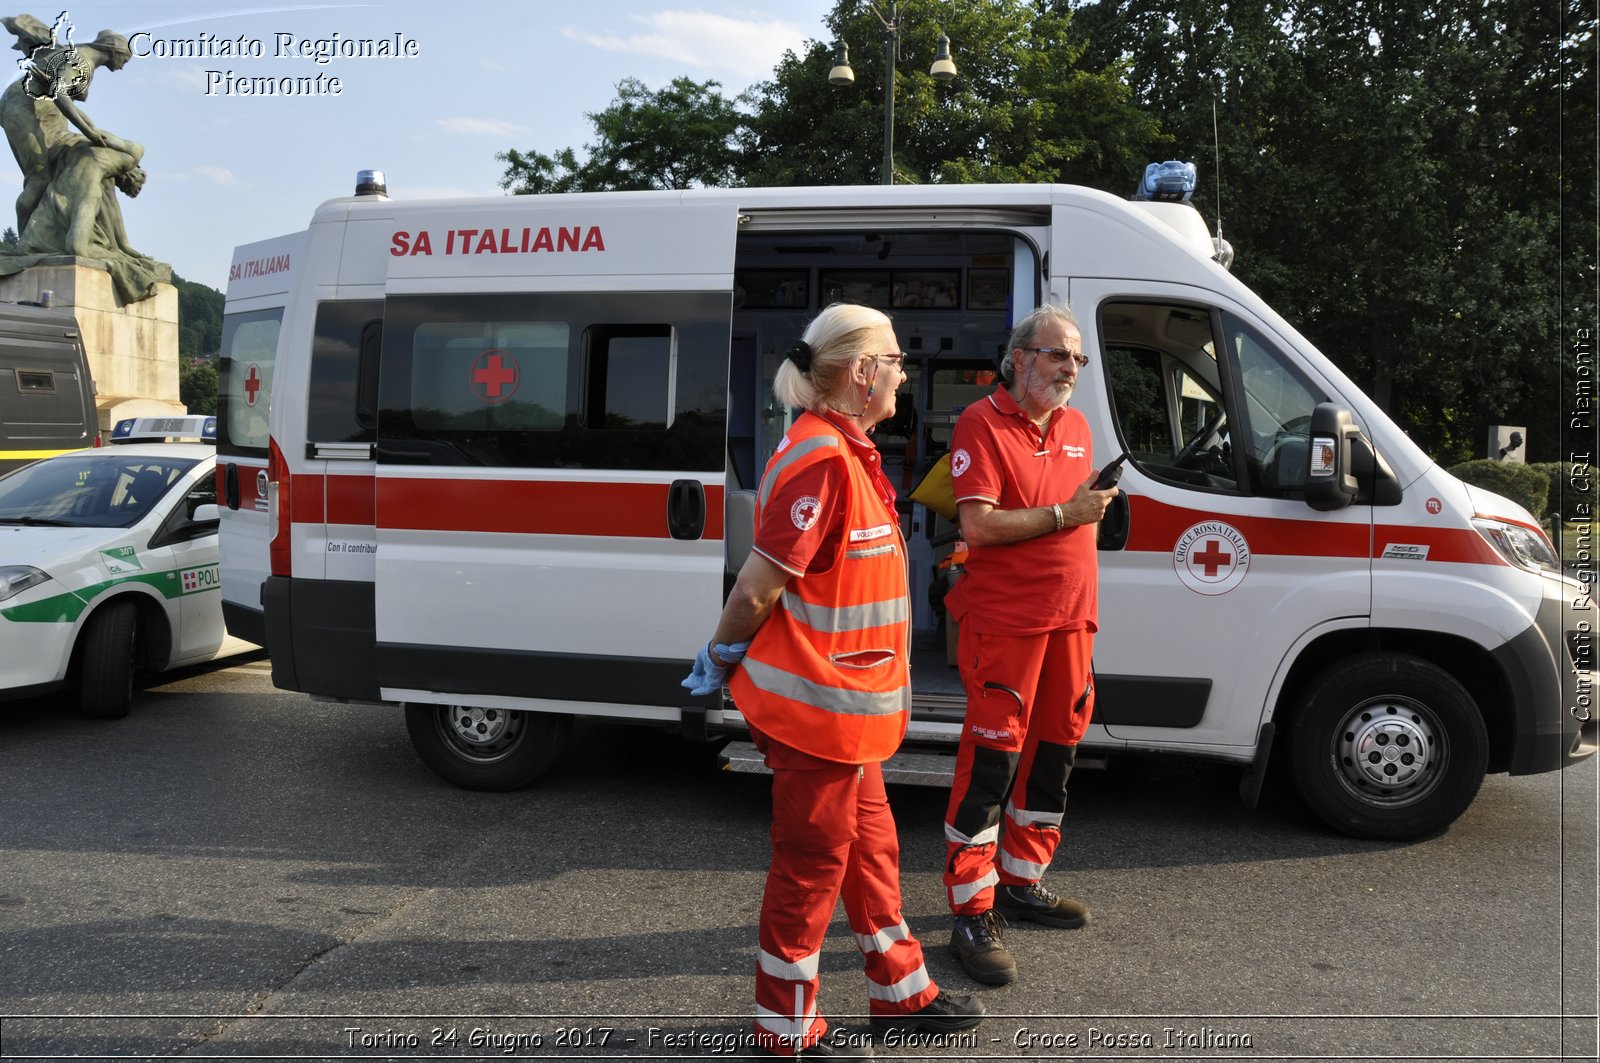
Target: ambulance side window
column 629, row 377
column 1278, row 400
column 593, row 381
column 244, row 381
column 344, row 371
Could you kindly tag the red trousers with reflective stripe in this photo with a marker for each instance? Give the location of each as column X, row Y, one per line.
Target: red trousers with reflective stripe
column 1029, row 701
column 832, row 835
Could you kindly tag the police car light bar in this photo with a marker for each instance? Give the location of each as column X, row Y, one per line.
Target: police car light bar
column 170, row 429
column 1167, row 182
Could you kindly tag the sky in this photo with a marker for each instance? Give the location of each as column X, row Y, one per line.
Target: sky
column 226, row 168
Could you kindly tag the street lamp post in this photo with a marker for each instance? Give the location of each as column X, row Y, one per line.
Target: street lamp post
column 943, row 69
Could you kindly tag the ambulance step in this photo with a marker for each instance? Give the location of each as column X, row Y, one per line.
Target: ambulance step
column 912, row 769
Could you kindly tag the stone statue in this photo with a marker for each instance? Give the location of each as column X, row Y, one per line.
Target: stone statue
column 68, row 205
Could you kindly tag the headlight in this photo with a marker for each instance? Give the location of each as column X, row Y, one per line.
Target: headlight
column 14, row 579
column 1519, row 545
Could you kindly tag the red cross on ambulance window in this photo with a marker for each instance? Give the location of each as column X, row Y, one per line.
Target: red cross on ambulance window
column 494, row 376
column 252, row 384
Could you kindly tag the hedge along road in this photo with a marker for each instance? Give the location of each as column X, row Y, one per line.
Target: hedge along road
column 236, row 871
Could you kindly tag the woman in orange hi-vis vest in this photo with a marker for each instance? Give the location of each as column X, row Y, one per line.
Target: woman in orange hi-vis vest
column 816, row 634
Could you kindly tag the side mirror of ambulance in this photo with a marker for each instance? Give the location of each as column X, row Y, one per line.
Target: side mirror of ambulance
column 1330, row 479
column 208, row 513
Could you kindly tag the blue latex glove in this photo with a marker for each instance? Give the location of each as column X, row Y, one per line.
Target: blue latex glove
column 707, row 676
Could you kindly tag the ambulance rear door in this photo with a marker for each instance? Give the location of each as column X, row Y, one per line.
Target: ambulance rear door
column 551, row 452
column 1213, row 570
column 260, row 282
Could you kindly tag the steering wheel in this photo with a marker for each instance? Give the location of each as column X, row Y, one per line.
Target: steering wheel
column 1191, row 449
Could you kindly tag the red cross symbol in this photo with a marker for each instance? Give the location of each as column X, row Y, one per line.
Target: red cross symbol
column 1213, row 557
column 495, row 375
column 252, row 384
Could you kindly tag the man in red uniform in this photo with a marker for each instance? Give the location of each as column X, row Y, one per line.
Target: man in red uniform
column 1020, row 463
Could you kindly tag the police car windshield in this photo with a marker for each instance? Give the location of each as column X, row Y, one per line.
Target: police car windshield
column 94, row 489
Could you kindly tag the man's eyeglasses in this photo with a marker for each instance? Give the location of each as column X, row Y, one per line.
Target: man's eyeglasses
column 1060, row 355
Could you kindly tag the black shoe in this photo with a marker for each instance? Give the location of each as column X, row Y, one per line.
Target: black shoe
column 976, row 942
column 943, row 1014
column 827, row 1048
column 1035, row 903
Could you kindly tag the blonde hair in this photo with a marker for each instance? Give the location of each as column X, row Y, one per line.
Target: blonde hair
column 836, row 336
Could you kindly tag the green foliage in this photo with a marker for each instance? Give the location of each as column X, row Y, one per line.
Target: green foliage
column 9, row 237
column 1572, row 489
column 1024, row 106
column 1525, row 485
column 1390, row 178
column 679, row 137
column 199, row 320
column 197, row 387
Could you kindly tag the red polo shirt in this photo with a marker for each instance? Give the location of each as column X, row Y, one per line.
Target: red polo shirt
column 1050, row 583
column 801, row 525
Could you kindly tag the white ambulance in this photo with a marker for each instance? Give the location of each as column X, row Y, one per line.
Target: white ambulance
column 493, row 460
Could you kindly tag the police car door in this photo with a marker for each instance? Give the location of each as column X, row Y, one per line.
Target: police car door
column 1217, row 568
column 551, row 452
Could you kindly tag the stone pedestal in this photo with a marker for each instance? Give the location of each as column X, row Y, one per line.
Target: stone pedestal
column 133, row 347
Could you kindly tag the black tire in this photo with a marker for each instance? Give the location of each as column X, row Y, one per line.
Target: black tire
column 487, row 749
column 105, row 668
column 1356, row 737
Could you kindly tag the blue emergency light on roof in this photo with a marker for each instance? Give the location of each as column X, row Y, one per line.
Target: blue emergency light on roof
column 1167, row 182
column 151, row 429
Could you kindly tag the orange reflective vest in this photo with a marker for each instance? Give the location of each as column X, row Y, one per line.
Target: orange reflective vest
column 829, row 672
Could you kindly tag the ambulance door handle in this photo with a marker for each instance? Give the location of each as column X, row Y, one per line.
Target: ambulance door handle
column 230, row 485
column 686, row 509
column 1114, row 527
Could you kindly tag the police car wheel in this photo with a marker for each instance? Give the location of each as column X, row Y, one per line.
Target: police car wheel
column 486, row 749
column 105, row 675
column 1388, row 746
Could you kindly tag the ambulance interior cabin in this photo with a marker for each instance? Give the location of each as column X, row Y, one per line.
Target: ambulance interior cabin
column 952, row 296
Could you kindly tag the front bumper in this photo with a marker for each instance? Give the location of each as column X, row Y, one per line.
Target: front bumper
column 1551, row 683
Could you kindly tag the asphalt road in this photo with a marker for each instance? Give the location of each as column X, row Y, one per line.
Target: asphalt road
column 234, row 871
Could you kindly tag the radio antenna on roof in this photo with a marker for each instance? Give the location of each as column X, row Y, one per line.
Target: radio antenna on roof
column 1224, row 250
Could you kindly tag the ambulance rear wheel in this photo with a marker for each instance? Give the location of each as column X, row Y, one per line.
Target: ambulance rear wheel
column 1388, row 746
column 487, row 749
column 105, row 670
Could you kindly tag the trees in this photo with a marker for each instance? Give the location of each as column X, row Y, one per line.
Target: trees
column 679, row 137
column 1391, row 182
column 1026, row 106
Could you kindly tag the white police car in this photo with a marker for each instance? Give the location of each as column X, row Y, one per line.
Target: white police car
column 108, row 564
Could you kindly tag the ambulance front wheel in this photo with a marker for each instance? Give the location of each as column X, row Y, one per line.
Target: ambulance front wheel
column 486, row 749
column 1389, row 746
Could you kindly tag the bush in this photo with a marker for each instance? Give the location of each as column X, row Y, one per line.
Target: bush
column 1578, row 484
column 1523, row 484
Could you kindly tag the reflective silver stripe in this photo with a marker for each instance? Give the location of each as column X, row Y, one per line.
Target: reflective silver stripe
column 967, row 890
column 804, row 970
column 787, row 458
column 790, row 1031
column 883, row 940
column 983, row 837
column 845, row 617
column 871, row 551
column 784, row 684
column 1021, row 868
column 1023, row 818
column 905, row 989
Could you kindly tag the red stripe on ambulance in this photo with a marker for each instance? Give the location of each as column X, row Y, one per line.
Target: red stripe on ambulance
column 1155, row 526
column 627, row 510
